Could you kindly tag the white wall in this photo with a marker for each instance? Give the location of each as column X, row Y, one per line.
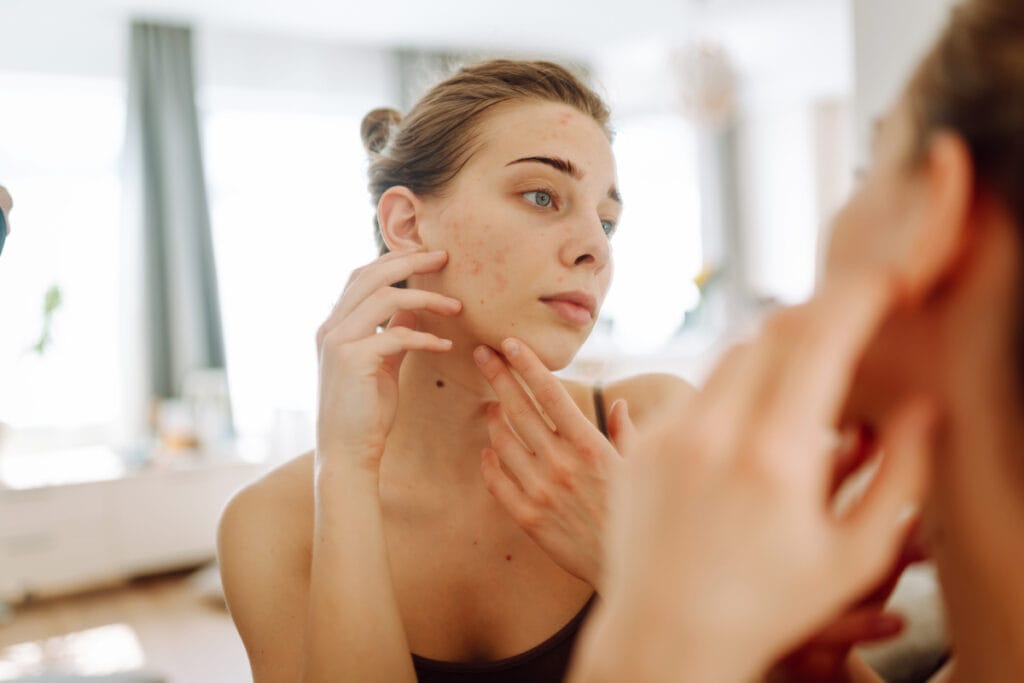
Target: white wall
column 75, row 42
column 310, row 69
column 889, row 38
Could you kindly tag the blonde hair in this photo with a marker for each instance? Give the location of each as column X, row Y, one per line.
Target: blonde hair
column 427, row 149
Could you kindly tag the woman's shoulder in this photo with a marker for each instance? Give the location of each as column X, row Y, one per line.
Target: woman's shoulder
column 264, row 546
column 643, row 393
column 277, row 507
column 646, row 392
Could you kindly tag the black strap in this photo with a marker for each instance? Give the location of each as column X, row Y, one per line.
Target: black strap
column 602, row 421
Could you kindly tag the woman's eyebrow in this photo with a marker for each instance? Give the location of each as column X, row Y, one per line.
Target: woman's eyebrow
column 567, row 167
column 563, row 165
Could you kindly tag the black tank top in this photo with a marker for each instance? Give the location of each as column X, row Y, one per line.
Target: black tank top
column 545, row 663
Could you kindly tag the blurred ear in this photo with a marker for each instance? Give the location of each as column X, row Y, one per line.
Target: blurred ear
column 939, row 226
column 398, row 213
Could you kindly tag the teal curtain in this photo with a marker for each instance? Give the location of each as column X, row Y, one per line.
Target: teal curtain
column 177, row 307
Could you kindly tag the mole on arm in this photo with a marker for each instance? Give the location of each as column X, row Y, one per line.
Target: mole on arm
column 440, row 384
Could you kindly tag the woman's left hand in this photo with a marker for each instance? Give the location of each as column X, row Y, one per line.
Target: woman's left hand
column 552, row 475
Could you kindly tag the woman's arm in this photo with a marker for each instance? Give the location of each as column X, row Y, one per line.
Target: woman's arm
column 352, row 629
column 264, row 569
column 312, row 602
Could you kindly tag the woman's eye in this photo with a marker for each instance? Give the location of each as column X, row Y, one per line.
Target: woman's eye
column 609, row 227
column 539, row 197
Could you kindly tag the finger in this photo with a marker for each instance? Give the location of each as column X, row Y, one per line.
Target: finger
column 504, row 490
column 856, row 447
column 384, row 272
column 859, row 626
column 872, row 533
column 730, row 398
column 518, row 406
column 386, row 301
column 510, row 450
column 815, row 352
column 399, row 339
column 549, row 392
column 620, row 426
column 916, row 548
column 405, row 319
column 909, row 553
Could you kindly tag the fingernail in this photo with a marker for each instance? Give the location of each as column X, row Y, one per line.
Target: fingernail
column 510, row 347
column 481, row 355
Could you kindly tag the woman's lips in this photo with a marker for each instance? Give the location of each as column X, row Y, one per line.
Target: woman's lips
column 570, row 312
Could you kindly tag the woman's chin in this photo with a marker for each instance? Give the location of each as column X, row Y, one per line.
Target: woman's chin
column 556, row 348
column 555, row 353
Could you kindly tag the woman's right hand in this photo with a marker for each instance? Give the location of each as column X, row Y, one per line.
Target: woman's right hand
column 359, row 365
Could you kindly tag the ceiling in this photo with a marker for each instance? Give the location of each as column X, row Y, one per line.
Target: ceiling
column 572, row 27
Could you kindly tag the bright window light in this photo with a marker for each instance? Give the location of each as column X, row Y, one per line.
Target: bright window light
column 60, row 152
column 657, row 247
column 93, row 652
column 291, row 219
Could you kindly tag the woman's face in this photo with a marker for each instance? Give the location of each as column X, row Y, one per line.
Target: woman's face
column 526, row 224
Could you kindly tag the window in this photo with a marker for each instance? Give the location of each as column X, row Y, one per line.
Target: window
column 60, row 156
column 291, row 219
column 657, row 247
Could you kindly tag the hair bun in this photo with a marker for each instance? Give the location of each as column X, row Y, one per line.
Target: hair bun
column 376, row 128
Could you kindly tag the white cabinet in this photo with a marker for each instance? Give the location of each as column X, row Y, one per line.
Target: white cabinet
column 60, row 538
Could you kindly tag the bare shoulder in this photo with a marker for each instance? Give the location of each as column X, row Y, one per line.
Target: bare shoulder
column 275, row 503
column 646, row 394
column 263, row 546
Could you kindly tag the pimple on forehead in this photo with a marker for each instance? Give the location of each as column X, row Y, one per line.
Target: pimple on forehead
column 565, row 117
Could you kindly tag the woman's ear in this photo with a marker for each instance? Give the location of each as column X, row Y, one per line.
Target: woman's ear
column 398, row 213
column 940, row 225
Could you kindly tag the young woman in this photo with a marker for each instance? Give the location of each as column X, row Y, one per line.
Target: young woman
column 383, row 555
column 917, row 330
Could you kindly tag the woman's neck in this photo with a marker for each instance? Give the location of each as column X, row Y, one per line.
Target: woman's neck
column 976, row 508
column 439, row 430
column 977, row 518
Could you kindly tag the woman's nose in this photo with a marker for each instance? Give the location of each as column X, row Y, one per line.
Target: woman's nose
column 588, row 245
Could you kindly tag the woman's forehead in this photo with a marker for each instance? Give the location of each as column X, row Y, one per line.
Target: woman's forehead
column 526, row 129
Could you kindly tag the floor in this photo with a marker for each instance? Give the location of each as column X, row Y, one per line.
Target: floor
column 161, row 624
